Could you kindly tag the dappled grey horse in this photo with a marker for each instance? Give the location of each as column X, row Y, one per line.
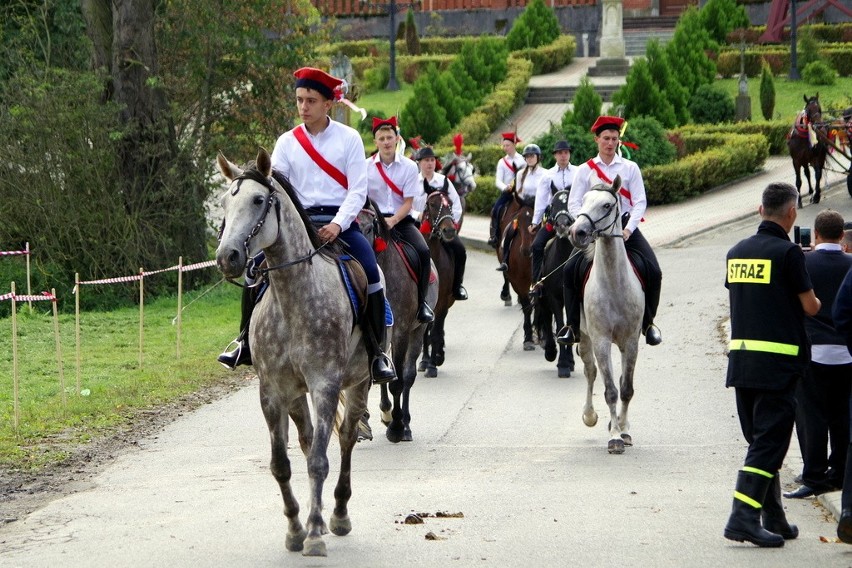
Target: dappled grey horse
column 304, row 340
column 613, row 304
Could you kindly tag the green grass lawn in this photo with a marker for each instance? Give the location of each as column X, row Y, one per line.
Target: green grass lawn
column 113, row 388
column 788, row 96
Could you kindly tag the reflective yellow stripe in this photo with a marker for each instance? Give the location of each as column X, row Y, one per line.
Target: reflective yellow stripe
column 766, row 346
column 758, row 471
column 746, row 499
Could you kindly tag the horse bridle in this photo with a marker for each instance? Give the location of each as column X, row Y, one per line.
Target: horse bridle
column 443, row 208
column 562, row 212
column 599, row 232
column 256, row 176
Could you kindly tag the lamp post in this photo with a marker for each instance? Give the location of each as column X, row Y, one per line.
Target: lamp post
column 794, row 66
column 392, row 8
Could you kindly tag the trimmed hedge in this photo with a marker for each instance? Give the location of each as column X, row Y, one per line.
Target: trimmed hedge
column 726, row 157
column 778, row 59
column 774, row 131
column 830, row 33
column 549, row 58
column 381, row 47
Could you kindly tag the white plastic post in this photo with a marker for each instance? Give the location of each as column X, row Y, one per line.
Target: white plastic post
column 180, row 303
column 29, row 286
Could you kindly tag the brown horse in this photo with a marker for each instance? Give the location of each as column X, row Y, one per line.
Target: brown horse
column 438, row 220
column 406, row 333
column 519, row 274
column 807, row 146
column 503, row 222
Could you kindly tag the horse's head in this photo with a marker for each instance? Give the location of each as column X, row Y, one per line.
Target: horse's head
column 439, row 214
column 813, row 110
column 459, row 167
column 248, row 205
column 559, row 217
column 373, row 226
column 600, row 215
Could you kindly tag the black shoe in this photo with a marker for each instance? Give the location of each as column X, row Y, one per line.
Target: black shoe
column 492, row 242
column 240, row 355
column 802, row 492
column 503, row 267
column 381, row 370
column 844, row 526
column 566, row 336
column 652, row 335
column 460, row 294
column 425, row 313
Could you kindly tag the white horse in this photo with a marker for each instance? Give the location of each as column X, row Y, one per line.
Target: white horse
column 304, row 340
column 612, row 308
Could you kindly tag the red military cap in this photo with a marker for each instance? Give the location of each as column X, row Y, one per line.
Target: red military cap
column 318, row 80
column 511, row 137
column 607, row 123
column 379, row 122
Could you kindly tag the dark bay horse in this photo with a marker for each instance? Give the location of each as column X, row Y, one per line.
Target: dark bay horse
column 304, row 340
column 519, row 274
column 438, row 220
column 505, row 219
column 549, row 308
column 407, row 333
column 807, row 146
column 613, row 304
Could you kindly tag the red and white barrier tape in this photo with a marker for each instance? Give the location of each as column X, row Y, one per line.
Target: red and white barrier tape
column 13, row 252
column 27, row 298
column 136, row 277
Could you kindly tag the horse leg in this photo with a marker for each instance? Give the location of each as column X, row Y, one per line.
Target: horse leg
column 356, row 405
column 505, row 294
column 438, row 341
column 603, row 354
column 426, row 364
column 394, row 430
column 797, row 169
column 818, row 178
column 565, row 364
column 526, row 308
column 279, row 425
column 325, row 407
column 385, row 405
column 544, row 324
column 629, row 354
column 590, row 417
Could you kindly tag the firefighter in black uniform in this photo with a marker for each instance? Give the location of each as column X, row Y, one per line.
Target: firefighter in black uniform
column 770, row 293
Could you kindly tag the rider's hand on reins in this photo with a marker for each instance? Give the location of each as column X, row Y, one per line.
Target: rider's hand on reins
column 626, row 233
column 329, row 232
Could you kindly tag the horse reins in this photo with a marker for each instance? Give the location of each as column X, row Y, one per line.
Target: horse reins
column 600, row 232
column 273, row 198
column 445, row 206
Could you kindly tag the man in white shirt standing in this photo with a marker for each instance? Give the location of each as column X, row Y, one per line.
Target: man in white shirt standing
column 507, row 168
column 558, row 178
column 392, row 185
column 603, row 168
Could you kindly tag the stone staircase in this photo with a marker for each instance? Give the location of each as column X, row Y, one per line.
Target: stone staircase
column 558, row 95
column 637, row 32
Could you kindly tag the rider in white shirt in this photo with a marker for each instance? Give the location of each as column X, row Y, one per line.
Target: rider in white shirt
column 507, row 168
column 392, row 185
column 558, row 178
column 526, row 188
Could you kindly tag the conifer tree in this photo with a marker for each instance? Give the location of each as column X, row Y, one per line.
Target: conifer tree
column 767, row 92
column 641, row 96
column 424, row 115
column 536, row 26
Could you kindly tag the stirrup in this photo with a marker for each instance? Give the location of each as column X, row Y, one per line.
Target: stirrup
column 503, row 267
column 425, row 313
column 381, row 375
column 240, row 355
column 566, row 336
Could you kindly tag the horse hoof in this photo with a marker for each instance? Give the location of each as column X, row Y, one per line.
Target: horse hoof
column 431, row 372
column 341, row 526
column 315, row 547
column 550, row 354
column 438, row 359
column 295, row 542
column 529, row 345
column 563, row 372
column 615, row 446
column 590, row 419
column 422, row 366
column 386, row 417
column 815, row 198
column 506, row 297
column 507, row 302
column 406, row 434
column 394, row 435
column 628, row 439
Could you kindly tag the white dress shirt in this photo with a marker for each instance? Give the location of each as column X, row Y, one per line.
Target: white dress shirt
column 528, row 180
column 505, row 175
column 561, row 179
column 631, row 180
column 342, row 147
column 402, row 172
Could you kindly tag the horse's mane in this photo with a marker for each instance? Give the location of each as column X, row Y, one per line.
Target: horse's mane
column 381, row 222
column 251, row 172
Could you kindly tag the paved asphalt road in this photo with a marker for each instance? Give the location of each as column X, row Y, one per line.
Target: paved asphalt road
column 497, row 437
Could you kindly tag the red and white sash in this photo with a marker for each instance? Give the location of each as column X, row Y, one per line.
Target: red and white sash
column 603, row 177
column 393, row 187
column 333, row 172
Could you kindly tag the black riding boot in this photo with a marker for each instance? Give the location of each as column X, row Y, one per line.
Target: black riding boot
column 493, row 238
column 570, row 332
column 774, row 518
column 241, row 354
column 459, row 262
column 424, row 312
column 744, row 522
column 507, row 247
column 652, row 300
column 375, row 334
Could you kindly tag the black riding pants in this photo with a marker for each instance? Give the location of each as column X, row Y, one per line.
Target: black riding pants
column 499, row 205
column 766, row 419
column 539, row 243
column 408, row 231
column 459, row 252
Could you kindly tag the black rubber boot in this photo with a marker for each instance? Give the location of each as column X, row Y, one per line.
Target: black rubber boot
column 570, row 332
column 774, row 518
column 375, row 334
column 507, row 248
column 744, row 522
column 459, row 263
column 493, row 239
column 651, row 331
column 241, row 354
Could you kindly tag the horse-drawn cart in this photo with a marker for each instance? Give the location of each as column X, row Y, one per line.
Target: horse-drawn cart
column 837, row 136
